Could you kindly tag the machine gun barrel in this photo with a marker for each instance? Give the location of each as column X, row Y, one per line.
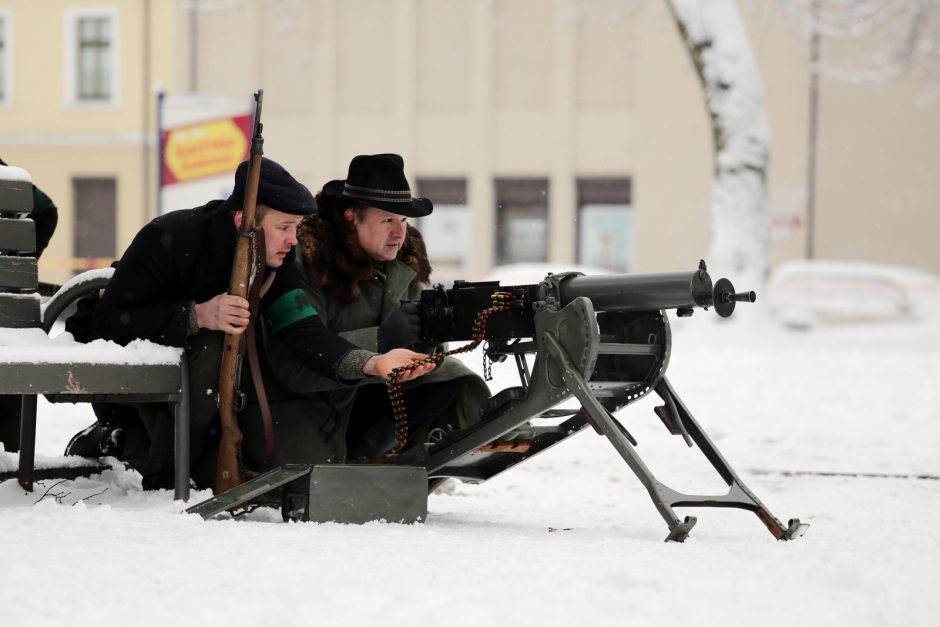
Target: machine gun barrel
column 640, row 292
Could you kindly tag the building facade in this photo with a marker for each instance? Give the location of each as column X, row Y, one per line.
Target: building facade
column 560, row 131
column 574, row 131
column 77, row 111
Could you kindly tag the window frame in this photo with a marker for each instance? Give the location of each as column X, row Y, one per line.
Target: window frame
column 6, row 62
column 72, row 18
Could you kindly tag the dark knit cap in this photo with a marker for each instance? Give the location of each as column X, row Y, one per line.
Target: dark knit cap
column 276, row 189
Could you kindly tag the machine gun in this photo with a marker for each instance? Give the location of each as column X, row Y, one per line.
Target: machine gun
column 604, row 340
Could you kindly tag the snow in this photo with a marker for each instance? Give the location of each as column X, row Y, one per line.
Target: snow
column 79, row 279
column 35, row 347
column 13, row 173
column 569, row 537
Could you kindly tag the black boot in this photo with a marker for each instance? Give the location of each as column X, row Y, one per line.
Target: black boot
column 372, row 441
column 95, row 440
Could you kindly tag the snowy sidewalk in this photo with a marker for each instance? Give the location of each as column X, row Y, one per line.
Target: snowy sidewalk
column 567, row 538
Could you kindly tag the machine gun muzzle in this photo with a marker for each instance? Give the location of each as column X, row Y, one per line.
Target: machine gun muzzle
column 725, row 297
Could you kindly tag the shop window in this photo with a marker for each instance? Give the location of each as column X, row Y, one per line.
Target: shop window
column 448, row 231
column 522, row 220
column 605, row 224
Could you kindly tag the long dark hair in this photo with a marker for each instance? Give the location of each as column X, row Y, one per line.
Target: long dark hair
column 336, row 262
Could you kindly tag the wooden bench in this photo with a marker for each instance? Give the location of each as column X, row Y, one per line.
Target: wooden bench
column 32, row 363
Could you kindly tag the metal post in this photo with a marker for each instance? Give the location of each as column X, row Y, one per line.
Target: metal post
column 813, row 132
column 181, row 431
column 24, row 473
column 145, row 100
column 160, row 98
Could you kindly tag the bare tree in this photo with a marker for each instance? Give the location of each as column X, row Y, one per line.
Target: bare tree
column 720, row 50
column 886, row 39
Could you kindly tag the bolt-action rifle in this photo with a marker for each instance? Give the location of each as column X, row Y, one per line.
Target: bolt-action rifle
column 604, row 340
column 228, row 471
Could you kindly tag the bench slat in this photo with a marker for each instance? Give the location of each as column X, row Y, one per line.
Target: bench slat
column 16, row 196
column 17, row 236
column 87, row 378
column 17, row 312
column 19, row 273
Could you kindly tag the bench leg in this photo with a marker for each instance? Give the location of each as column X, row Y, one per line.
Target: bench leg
column 24, row 473
column 181, row 428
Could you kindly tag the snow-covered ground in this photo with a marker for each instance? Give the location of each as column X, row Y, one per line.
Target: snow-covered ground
column 571, row 537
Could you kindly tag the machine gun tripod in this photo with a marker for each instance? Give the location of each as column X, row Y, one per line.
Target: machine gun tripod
column 606, row 341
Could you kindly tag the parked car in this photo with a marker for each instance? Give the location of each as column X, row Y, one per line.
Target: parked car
column 805, row 293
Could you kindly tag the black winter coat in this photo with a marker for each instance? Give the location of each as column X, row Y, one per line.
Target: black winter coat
column 46, row 216
column 185, row 257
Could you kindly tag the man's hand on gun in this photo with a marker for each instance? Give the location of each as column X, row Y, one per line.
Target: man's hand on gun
column 224, row 312
column 382, row 365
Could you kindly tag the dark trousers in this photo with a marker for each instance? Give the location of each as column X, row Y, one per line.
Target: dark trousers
column 10, row 422
column 148, row 429
column 371, row 430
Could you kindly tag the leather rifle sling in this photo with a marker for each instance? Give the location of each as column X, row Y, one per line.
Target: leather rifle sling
column 254, row 295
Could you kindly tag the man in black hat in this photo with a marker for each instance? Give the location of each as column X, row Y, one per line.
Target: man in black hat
column 170, row 287
column 360, row 261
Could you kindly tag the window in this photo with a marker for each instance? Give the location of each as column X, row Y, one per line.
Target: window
column 447, row 232
column 522, row 220
column 91, row 56
column 605, row 223
column 6, row 65
column 95, row 242
column 94, row 56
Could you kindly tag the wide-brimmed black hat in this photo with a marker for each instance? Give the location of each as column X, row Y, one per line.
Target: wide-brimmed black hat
column 379, row 181
column 276, row 189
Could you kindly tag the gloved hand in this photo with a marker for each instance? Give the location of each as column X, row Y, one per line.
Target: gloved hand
column 402, row 328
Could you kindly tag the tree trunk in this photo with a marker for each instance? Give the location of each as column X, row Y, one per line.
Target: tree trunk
column 718, row 45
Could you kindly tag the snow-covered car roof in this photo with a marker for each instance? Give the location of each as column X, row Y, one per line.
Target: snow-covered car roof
column 806, row 293
column 528, row 273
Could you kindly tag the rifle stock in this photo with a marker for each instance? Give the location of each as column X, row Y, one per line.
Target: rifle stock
column 228, row 471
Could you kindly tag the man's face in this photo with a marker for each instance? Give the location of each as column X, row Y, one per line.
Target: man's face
column 381, row 233
column 280, row 234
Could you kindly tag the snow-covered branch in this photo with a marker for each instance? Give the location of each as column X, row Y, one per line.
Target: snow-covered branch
column 892, row 37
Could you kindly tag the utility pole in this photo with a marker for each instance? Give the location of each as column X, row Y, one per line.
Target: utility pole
column 193, row 46
column 813, row 132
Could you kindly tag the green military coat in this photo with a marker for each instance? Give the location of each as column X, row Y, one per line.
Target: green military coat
column 311, row 412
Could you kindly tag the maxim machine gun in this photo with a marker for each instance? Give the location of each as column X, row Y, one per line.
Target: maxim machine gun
column 603, row 339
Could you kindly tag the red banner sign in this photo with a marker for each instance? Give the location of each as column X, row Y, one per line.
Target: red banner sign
column 205, row 149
